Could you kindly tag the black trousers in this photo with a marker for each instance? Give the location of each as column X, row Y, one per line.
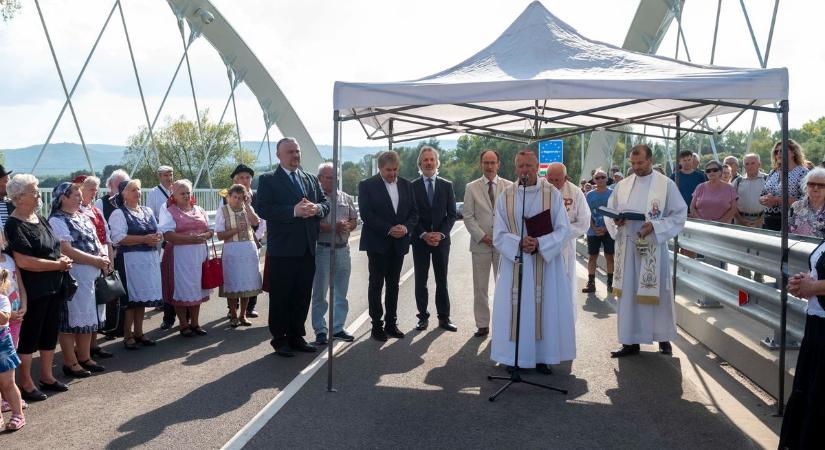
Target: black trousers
column 421, row 259
column 290, row 287
column 384, row 269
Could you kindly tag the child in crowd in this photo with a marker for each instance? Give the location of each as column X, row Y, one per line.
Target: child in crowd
column 8, row 358
column 17, row 298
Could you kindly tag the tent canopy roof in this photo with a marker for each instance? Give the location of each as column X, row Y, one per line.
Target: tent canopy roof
column 542, row 69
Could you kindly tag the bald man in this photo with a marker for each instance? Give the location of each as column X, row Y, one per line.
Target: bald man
column 577, row 212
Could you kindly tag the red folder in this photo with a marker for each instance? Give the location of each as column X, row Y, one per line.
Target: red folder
column 539, row 225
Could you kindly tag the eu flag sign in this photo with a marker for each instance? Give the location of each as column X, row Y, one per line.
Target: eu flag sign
column 549, row 152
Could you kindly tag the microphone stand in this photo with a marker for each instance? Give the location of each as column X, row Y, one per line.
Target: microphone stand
column 515, row 373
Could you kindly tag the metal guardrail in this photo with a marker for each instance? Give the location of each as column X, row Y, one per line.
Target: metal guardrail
column 208, row 199
column 752, row 249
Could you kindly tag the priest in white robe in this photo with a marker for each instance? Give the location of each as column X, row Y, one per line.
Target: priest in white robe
column 642, row 277
column 547, row 332
column 578, row 212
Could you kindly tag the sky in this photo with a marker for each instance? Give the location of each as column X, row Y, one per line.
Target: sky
column 307, row 45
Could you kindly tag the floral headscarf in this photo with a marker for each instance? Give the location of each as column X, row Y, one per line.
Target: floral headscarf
column 58, row 193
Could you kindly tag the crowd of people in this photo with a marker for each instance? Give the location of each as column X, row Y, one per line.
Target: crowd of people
column 51, row 270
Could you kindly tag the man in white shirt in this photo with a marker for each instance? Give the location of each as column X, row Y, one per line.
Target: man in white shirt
column 750, row 212
column 157, row 197
column 479, row 212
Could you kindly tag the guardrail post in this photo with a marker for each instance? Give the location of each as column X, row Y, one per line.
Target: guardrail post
column 773, row 342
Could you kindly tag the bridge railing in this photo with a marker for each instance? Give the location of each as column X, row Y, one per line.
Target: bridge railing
column 752, row 249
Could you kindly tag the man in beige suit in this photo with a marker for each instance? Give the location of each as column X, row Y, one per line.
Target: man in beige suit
column 479, row 209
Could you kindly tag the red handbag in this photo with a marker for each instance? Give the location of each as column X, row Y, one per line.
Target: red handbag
column 212, row 269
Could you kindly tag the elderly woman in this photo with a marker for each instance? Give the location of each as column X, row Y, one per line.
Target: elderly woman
column 807, row 215
column 185, row 227
column 727, row 174
column 771, row 197
column 44, row 273
column 89, row 186
column 79, row 317
column 135, row 233
column 234, row 224
column 714, row 199
column 802, row 422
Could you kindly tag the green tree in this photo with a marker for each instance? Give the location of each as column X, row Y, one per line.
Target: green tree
column 179, row 144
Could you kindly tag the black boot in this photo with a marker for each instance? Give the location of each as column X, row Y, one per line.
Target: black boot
column 609, row 283
column 591, row 285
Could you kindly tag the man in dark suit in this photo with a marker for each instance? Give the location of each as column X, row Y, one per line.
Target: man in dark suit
column 293, row 204
column 435, row 199
column 388, row 209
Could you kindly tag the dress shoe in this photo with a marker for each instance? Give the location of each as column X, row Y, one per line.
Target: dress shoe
column 82, row 373
column 35, row 395
column 665, row 348
column 94, row 368
column 199, row 331
column 626, row 350
column 252, row 313
column 482, row 332
column 97, row 351
column 166, row 325
column 57, row 386
column 544, row 369
column 393, row 331
column 378, row 334
column 447, row 325
column 281, row 349
column 321, row 339
column 422, row 324
column 300, row 345
column 589, row 288
column 343, row 336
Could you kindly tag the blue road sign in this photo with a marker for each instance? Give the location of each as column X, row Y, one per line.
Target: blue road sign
column 549, row 152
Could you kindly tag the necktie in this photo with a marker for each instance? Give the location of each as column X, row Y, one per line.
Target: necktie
column 297, row 183
column 491, row 193
column 430, row 191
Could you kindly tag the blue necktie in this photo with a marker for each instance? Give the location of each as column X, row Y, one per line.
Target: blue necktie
column 430, row 190
column 297, row 183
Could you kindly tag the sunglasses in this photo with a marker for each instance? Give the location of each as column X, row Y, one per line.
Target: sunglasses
column 600, row 178
column 711, row 170
column 813, row 185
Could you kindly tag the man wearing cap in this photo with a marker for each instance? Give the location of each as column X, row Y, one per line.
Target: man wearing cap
column 6, row 206
column 156, row 200
column 157, row 197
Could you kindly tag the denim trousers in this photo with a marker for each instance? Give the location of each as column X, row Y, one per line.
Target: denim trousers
column 320, row 287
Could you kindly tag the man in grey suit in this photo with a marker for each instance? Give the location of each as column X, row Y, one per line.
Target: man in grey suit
column 479, row 209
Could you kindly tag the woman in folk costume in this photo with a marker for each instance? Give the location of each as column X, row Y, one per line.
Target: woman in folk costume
column 79, row 317
column 642, row 274
column 185, row 227
column 135, row 232
column 242, row 279
column 547, row 332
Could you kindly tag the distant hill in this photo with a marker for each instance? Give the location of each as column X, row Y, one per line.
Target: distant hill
column 66, row 157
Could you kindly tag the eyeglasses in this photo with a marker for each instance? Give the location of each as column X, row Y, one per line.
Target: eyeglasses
column 813, row 185
column 599, row 178
column 711, row 170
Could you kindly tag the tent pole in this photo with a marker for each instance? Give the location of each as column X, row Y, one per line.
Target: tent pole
column 389, row 138
column 676, row 177
column 336, row 135
column 783, row 282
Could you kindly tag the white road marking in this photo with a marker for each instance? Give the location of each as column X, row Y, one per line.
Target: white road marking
column 242, row 437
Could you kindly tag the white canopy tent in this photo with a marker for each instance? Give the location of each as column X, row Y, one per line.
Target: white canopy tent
column 541, row 70
column 542, row 74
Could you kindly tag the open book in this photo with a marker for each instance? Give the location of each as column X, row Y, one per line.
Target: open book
column 618, row 215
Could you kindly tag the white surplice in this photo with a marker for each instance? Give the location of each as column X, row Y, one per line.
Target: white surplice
column 642, row 323
column 558, row 341
column 578, row 213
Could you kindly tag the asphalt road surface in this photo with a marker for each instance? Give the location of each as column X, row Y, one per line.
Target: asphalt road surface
column 428, row 390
